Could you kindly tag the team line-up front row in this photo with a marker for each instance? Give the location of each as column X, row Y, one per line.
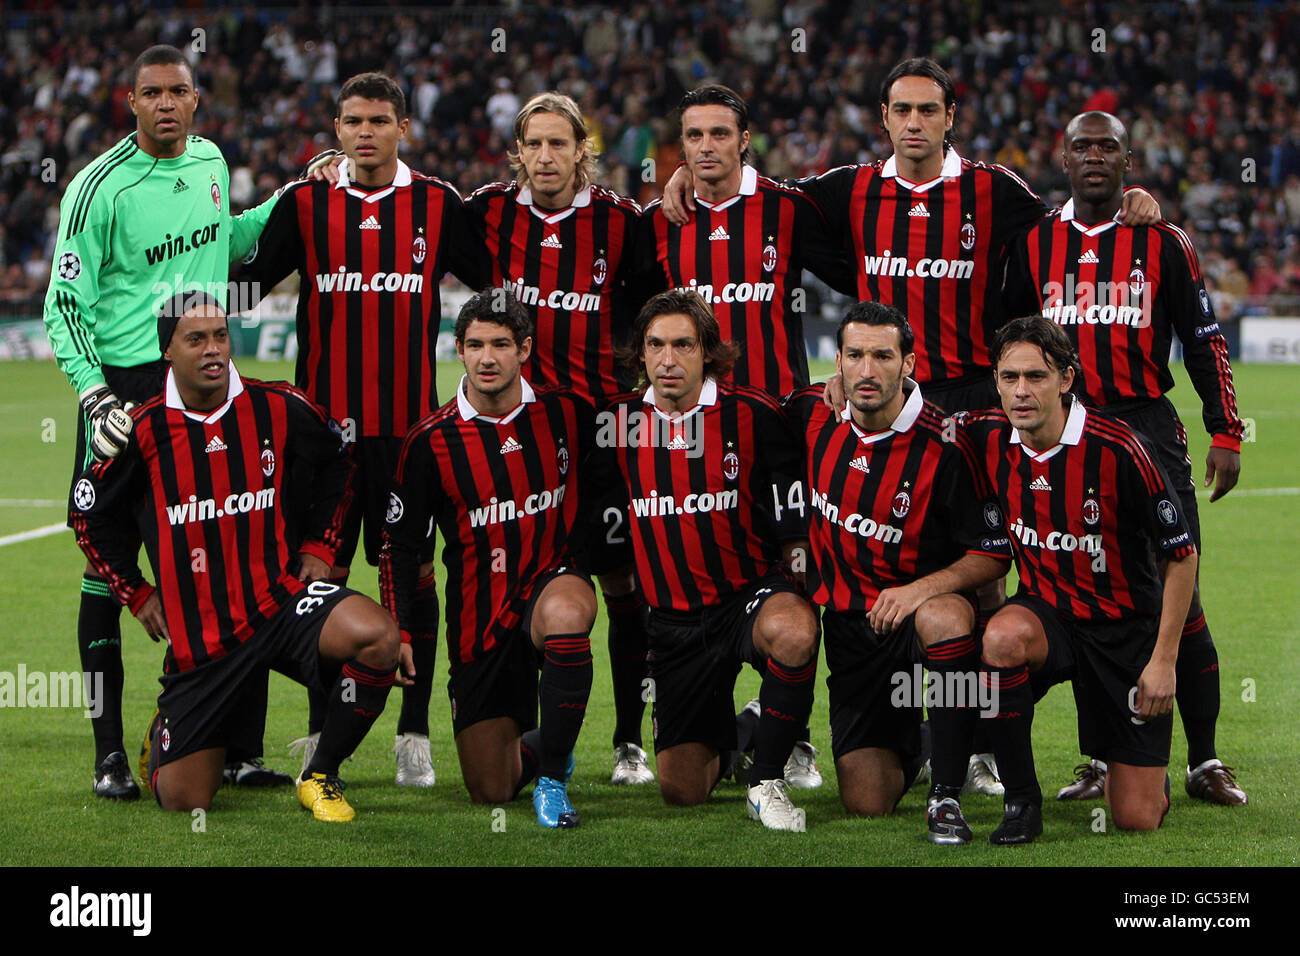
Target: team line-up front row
column 742, row 516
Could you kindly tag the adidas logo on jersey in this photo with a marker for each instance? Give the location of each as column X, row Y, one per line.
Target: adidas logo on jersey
column 180, row 186
column 370, row 222
column 860, row 463
column 511, row 445
column 719, row 233
column 1088, row 257
column 1039, row 484
column 215, row 444
column 919, row 211
column 679, row 443
column 552, row 242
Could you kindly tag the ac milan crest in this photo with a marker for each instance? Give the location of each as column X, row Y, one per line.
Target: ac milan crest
column 769, row 257
column 1137, row 281
column 268, row 462
column 418, row 249
column 1091, row 511
column 968, row 236
column 902, row 504
column 731, row 465
column 599, row 271
column 562, row 460
column 216, row 196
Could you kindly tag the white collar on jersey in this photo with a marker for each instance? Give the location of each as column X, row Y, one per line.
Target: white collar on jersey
column 1067, row 215
column 581, row 199
column 907, row 417
column 1070, row 436
column 748, row 186
column 951, row 170
column 708, row 396
column 173, row 397
column 403, row 178
column 468, row 413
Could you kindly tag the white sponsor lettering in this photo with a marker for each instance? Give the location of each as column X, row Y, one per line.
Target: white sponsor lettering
column 206, row 509
column 660, row 506
column 344, row 281
column 891, row 265
column 499, row 512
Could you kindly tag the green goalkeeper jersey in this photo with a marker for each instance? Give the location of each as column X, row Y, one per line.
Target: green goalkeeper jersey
column 134, row 230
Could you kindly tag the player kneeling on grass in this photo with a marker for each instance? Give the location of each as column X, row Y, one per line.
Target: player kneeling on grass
column 203, row 482
column 902, row 533
column 499, row 470
column 1088, row 510
column 702, row 461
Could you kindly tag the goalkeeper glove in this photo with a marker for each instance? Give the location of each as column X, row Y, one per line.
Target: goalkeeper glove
column 108, row 426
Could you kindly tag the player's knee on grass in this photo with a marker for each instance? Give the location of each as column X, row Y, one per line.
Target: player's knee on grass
column 359, row 628
column 1136, row 796
column 942, row 618
column 189, row 783
column 687, row 774
column 786, row 630
column 871, row 781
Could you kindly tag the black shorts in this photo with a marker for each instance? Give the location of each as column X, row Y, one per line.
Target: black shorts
column 1103, row 661
column 136, row 383
column 372, row 481
column 503, row 682
column 1158, row 427
column 969, row 394
column 215, row 704
column 694, row 659
column 862, row 686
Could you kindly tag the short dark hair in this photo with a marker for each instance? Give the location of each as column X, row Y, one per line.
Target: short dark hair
column 1047, row 335
column 719, row 356
column 373, row 86
column 160, row 55
column 877, row 313
column 1072, row 127
column 920, row 66
column 498, row 306
column 172, row 310
column 715, row 94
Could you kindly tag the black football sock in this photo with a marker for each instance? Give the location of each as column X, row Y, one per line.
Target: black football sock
column 355, row 703
column 1010, row 730
column 1197, row 672
column 951, row 662
column 980, row 743
column 627, row 664
column 530, row 754
column 785, row 700
column 414, row 716
column 563, row 693
column 317, row 704
column 746, row 727
column 99, row 643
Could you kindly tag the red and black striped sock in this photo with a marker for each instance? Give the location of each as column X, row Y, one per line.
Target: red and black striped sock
column 785, row 700
column 1197, row 672
column 1010, row 730
column 354, row 704
column 414, row 716
column 627, row 663
column 954, row 664
column 565, row 687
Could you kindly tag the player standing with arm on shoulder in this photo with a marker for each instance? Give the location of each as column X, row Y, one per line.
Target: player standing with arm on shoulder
column 371, row 249
column 209, row 467
column 701, row 462
column 903, row 529
column 1088, row 510
column 1121, row 293
column 148, row 218
column 563, row 246
column 503, row 470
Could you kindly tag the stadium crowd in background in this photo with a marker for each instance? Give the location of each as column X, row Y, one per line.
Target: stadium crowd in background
column 1210, row 90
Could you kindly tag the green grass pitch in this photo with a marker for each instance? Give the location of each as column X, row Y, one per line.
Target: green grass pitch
column 49, row 817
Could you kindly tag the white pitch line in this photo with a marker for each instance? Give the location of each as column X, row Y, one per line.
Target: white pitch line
column 48, row 530
column 32, row 502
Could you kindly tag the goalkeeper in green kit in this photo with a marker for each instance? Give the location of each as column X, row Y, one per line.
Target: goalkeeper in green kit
column 148, row 219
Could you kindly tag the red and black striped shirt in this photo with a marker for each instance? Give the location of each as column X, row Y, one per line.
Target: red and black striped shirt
column 206, row 492
column 745, row 256
column 890, row 507
column 1084, row 516
column 710, row 495
column 368, row 303
column 935, row 251
column 569, row 267
column 505, row 495
column 1122, row 293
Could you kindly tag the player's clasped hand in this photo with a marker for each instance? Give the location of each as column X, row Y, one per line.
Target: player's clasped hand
column 1223, row 467
column 152, row 620
column 312, row 568
column 892, row 607
column 405, row 667
column 1156, row 687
